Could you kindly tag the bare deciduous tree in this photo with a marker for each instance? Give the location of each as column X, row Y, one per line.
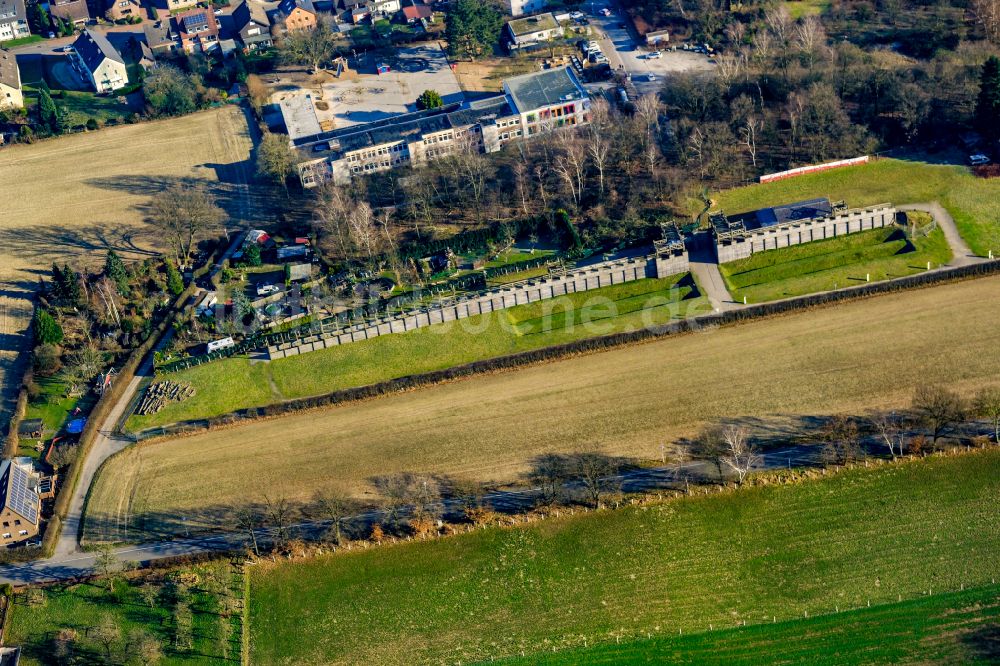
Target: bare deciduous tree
column 741, row 455
column 597, row 472
column 279, row 515
column 335, row 508
column 249, row 520
column 890, row 430
column 106, row 633
column 710, row 445
column 107, row 564
column 571, row 167
column 987, row 406
column 748, row 134
column 183, row 213
column 841, row 440
column 549, row 473
column 938, row 409
column 987, row 14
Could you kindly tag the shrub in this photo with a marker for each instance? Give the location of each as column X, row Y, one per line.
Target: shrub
column 175, row 283
column 47, row 329
column 47, row 360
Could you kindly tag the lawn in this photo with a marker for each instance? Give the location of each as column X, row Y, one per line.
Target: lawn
column 234, row 383
column 755, row 556
column 973, row 202
column 879, row 254
column 953, row 628
column 80, row 607
column 53, row 406
column 799, row 8
column 23, row 41
column 778, row 372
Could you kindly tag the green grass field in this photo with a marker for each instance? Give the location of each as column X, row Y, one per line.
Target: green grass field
column 230, row 384
column 799, row 8
column 954, row 628
column 973, row 202
column 880, row 254
column 771, row 552
column 80, row 607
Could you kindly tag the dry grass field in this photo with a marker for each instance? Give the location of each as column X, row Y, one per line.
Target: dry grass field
column 852, row 357
column 70, row 199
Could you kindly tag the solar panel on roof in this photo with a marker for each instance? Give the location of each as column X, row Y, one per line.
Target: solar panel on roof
column 21, row 498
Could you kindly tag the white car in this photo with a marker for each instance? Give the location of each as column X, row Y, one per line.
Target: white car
column 265, row 289
column 978, row 160
column 605, row 12
column 576, row 15
column 655, row 55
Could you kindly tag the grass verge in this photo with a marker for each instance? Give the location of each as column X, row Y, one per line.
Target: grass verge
column 973, row 202
column 880, row 254
column 777, row 551
column 230, row 384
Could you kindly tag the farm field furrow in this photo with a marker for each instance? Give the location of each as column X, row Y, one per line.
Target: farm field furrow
column 851, row 357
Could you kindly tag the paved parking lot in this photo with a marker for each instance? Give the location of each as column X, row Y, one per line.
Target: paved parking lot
column 363, row 96
column 624, row 54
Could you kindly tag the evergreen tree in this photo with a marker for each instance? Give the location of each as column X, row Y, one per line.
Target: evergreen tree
column 175, row 283
column 48, row 115
column 988, row 104
column 58, row 282
column 473, row 28
column 72, row 294
column 47, row 329
column 115, row 269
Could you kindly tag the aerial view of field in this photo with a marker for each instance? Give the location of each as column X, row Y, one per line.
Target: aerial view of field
column 954, row 628
column 855, row 356
column 759, row 556
column 75, row 197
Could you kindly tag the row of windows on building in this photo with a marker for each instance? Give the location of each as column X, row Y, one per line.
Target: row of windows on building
column 7, row 535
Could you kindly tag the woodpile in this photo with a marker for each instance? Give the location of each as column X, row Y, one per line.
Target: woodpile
column 158, row 395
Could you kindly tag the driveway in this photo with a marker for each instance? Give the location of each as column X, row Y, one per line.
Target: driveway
column 620, row 45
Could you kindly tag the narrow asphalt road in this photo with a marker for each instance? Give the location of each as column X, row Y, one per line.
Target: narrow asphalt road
column 74, row 563
column 108, row 443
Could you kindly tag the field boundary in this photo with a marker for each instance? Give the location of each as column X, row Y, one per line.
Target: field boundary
column 556, row 352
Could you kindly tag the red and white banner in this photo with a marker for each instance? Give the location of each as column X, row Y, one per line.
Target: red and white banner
column 791, row 173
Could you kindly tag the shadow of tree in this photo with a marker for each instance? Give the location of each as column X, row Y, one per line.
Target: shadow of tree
column 984, row 643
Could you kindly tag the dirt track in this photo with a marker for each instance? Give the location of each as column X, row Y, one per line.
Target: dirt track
column 70, row 199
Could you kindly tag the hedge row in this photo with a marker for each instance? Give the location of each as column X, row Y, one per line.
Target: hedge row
column 20, row 407
column 105, row 405
column 748, row 313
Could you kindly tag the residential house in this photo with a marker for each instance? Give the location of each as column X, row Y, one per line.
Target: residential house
column 250, row 22
column 174, row 5
column 97, row 61
column 384, row 8
column 122, row 10
column 160, row 37
column 522, row 7
column 141, row 54
column 293, row 15
column 75, row 11
column 346, row 7
column 532, row 103
column 533, row 29
column 13, row 20
column 20, row 507
column 416, row 13
column 197, row 30
column 10, row 82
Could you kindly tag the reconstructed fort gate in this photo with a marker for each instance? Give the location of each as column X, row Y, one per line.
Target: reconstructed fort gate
column 740, row 236
column 669, row 257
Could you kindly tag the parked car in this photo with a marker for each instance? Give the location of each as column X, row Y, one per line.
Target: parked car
column 605, row 12
column 651, row 77
column 265, row 289
column 655, row 55
column 576, row 15
column 978, row 160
